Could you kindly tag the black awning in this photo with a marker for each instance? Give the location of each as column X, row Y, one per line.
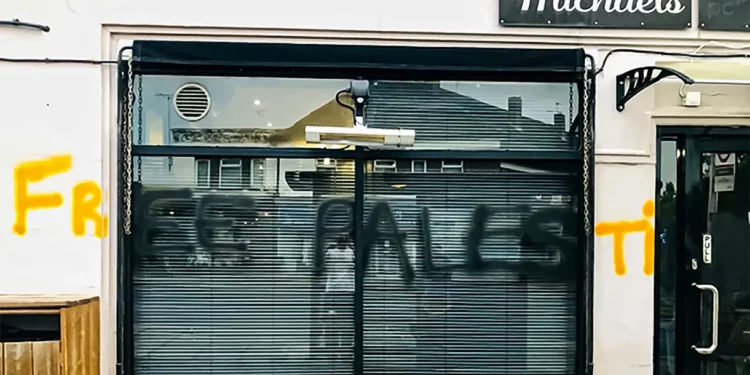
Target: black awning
column 351, row 61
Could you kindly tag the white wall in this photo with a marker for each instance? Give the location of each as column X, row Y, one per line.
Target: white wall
column 69, row 110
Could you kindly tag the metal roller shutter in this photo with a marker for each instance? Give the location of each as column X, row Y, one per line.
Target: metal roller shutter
column 226, row 281
column 515, row 315
column 465, row 319
column 252, row 309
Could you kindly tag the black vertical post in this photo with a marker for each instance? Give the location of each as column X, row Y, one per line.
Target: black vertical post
column 359, row 261
column 124, row 279
column 588, row 283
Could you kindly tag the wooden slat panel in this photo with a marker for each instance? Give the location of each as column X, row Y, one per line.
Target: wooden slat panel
column 93, row 333
column 2, row 362
column 46, row 357
column 70, row 325
column 84, row 316
column 80, row 339
column 18, row 358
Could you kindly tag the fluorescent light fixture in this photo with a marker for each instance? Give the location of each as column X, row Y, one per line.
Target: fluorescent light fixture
column 359, row 136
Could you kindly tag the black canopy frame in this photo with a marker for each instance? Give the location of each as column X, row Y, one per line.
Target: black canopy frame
column 187, row 58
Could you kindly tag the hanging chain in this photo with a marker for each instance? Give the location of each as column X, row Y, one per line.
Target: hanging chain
column 570, row 105
column 127, row 136
column 140, row 124
column 586, row 132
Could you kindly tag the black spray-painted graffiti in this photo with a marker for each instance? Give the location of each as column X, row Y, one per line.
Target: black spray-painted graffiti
column 380, row 225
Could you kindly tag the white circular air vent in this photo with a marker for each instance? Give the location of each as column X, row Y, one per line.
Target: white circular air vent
column 192, row 102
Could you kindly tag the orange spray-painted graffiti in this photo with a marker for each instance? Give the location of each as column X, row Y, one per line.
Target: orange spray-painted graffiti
column 619, row 229
column 87, row 196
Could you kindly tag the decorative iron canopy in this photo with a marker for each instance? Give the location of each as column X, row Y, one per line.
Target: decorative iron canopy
column 632, row 82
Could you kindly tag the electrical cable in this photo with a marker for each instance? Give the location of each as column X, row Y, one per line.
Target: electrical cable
column 56, row 61
column 665, row 53
column 601, row 68
column 338, row 100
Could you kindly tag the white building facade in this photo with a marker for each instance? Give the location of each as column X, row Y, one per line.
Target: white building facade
column 61, row 155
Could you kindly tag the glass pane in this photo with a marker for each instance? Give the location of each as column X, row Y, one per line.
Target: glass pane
column 470, row 273
column 258, row 173
column 230, row 174
column 203, row 173
column 478, row 115
column 225, row 280
column 723, row 207
column 236, row 111
column 419, row 166
column 666, row 247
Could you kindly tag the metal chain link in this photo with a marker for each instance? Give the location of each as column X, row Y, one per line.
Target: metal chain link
column 570, row 105
column 586, row 132
column 140, row 125
column 127, row 136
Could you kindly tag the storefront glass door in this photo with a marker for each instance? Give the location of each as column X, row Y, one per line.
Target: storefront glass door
column 717, row 214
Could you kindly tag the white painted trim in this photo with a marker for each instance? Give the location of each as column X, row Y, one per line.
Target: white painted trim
column 623, row 153
column 683, row 41
column 108, row 297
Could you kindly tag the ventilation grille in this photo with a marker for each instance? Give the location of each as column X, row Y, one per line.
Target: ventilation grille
column 192, row 102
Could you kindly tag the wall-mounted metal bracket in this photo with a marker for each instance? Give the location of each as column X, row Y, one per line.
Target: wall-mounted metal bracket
column 632, row 82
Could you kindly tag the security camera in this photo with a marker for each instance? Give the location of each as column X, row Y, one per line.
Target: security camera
column 360, row 88
column 360, row 92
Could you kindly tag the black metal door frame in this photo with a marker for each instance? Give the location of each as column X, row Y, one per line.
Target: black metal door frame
column 691, row 143
column 584, row 278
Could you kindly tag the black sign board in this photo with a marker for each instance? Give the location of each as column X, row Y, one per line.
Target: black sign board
column 725, row 15
column 613, row 14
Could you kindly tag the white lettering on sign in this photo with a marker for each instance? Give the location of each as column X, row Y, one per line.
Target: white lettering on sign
column 608, row 6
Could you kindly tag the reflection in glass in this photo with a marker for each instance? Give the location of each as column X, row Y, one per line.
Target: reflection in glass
column 230, row 173
column 244, row 281
column 723, row 205
column 226, row 282
column 666, row 251
column 275, row 111
column 478, row 115
column 202, row 173
column 513, row 314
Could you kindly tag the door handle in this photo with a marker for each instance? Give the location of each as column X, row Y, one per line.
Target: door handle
column 714, row 321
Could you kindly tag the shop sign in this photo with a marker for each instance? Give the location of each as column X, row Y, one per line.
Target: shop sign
column 724, row 172
column 622, row 14
column 724, row 15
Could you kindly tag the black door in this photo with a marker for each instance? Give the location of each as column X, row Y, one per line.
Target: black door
column 713, row 267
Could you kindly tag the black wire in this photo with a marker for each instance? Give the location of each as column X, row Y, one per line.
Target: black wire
column 18, row 23
column 56, row 61
column 664, row 53
column 338, row 100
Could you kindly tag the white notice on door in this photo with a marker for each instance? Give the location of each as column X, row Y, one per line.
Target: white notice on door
column 707, row 249
column 724, row 172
